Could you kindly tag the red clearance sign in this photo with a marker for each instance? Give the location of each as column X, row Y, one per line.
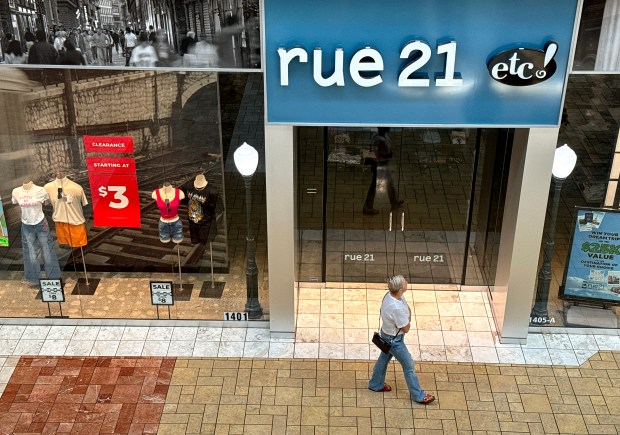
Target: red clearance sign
column 114, row 191
column 118, row 165
column 108, row 144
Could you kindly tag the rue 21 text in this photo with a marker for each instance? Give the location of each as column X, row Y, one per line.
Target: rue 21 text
column 367, row 64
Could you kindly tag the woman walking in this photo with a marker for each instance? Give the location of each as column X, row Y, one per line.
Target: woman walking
column 396, row 318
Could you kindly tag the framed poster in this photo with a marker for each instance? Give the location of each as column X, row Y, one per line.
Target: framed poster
column 593, row 266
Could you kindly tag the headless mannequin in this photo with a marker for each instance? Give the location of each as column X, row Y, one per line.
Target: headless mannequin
column 68, row 199
column 60, row 181
column 200, row 182
column 201, row 210
column 35, row 233
column 167, row 194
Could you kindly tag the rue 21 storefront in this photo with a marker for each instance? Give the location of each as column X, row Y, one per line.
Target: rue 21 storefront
column 423, row 63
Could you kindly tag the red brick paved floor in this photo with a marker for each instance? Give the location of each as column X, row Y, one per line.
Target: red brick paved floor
column 85, row 395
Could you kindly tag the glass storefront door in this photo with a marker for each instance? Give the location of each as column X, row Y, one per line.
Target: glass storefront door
column 426, row 220
column 361, row 226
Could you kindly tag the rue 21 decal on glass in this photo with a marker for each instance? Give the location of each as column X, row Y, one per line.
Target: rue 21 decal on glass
column 593, row 266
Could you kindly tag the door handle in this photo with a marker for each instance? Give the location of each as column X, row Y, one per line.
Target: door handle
column 390, row 221
column 402, row 222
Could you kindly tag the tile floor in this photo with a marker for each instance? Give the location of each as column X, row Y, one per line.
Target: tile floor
column 305, row 396
column 332, row 324
column 86, row 395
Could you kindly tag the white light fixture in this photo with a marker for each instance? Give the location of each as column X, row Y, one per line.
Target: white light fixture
column 246, row 160
column 564, row 162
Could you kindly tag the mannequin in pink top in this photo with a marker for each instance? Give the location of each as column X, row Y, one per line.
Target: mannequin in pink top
column 168, row 199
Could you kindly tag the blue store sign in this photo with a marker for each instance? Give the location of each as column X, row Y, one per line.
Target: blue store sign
column 417, row 63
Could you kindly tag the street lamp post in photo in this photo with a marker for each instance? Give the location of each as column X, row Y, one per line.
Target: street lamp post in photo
column 246, row 161
column 563, row 164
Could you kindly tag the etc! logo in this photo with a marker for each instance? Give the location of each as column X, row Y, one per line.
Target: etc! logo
column 524, row 66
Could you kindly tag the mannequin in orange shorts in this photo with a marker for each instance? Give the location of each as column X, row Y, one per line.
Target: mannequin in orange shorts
column 68, row 198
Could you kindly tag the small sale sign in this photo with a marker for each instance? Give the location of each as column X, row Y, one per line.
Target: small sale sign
column 114, row 190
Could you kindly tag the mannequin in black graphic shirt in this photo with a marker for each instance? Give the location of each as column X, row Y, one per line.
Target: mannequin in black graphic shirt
column 202, row 200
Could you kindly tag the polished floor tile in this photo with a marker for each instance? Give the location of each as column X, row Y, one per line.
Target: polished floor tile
column 446, row 325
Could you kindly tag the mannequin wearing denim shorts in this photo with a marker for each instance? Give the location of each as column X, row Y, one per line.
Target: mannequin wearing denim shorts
column 170, row 225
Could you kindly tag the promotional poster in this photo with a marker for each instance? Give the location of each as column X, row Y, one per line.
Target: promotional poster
column 593, row 267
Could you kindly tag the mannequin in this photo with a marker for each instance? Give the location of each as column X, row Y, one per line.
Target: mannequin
column 202, row 199
column 35, row 232
column 68, row 198
column 170, row 226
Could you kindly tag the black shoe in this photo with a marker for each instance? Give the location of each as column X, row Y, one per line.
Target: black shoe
column 398, row 204
column 370, row 211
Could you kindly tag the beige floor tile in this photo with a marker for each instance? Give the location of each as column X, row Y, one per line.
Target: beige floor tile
column 331, row 335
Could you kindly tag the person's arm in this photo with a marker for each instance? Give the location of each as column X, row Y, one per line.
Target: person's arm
column 402, row 320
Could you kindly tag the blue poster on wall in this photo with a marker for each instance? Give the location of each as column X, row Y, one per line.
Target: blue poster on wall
column 593, row 267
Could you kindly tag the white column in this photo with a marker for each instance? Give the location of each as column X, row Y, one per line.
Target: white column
column 522, row 230
column 608, row 53
column 279, row 175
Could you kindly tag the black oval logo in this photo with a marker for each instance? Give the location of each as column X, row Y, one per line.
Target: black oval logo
column 524, row 66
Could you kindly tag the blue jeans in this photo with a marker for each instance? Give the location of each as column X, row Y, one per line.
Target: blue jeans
column 401, row 353
column 32, row 268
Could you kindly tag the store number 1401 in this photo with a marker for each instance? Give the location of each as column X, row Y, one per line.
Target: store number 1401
column 119, row 200
column 236, row 316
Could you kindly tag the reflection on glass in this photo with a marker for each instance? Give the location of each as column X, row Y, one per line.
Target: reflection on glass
column 145, row 34
column 597, row 42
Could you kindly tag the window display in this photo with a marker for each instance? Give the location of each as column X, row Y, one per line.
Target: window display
column 141, row 193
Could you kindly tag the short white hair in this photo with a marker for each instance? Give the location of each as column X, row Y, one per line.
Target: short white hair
column 396, row 283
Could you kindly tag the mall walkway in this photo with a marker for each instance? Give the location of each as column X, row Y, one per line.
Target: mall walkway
column 307, row 396
column 234, row 380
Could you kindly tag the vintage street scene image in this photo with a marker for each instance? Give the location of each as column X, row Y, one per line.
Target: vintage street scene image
column 131, row 33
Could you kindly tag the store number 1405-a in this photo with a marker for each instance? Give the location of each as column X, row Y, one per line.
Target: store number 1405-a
column 236, row 316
